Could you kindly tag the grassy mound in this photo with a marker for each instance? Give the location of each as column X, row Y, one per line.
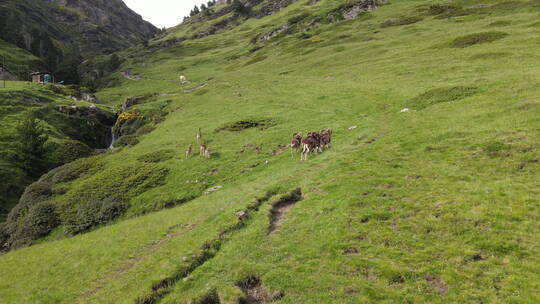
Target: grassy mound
column 440, row 95
column 477, row 38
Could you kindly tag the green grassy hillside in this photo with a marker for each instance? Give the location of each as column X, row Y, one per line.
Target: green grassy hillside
column 71, row 134
column 17, row 61
column 437, row 204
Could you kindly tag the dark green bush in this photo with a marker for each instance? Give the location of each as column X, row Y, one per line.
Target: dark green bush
column 477, row 38
column 157, row 156
column 90, row 214
column 41, row 219
column 105, row 195
column 68, row 151
column 440, row 95
column 247, row 124
column 126, row 140
column 36, row 192
column 4, row 236
column 31, row 224
column 72, row 170
column 130, row 126
column 144, row 130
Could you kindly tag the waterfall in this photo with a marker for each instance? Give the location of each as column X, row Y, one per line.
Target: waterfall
column 112, row 138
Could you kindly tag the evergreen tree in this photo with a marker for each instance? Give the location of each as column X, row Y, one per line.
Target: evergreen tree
column 31, row 153
column 195, row 11
column 240, row 8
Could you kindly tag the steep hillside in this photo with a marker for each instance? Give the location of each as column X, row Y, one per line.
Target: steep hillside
column 426, row 195
column 74, row 128
column 61, row 32
column 18, row 60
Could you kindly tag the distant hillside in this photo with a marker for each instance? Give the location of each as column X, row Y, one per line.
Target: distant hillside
column 427, row 192
column 64, row 32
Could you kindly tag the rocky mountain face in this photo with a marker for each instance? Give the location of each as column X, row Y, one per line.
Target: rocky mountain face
column 65, row 32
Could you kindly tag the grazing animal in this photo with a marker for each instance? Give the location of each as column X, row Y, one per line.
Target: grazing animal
column 199, row 135
column 326, row 138
column 202, row 150
column 183, row 79
column 189, row 151
column 296, row 142
column 310, row 144
column 207, row 152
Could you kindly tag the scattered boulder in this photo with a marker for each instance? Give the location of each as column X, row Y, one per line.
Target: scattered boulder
column 213, row 189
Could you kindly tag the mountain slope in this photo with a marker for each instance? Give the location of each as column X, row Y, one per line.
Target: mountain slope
column 431, row 205
column 61, row 31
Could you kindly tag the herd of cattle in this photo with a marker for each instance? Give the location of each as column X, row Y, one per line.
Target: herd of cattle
column 314, row 142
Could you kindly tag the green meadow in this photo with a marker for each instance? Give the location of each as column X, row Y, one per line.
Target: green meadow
column 437, row 204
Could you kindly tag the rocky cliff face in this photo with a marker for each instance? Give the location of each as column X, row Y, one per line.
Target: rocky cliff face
column 64, row 32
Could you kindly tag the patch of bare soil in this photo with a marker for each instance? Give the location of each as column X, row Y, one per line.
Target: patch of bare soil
column 281, row 208
column 255, row 292
column 437, row 284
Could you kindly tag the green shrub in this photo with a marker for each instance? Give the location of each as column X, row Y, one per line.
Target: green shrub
column 41, row 219
column 477, row 38
column 105, row 195
column 157, row 156
column 72, row 170
column 440, row 95
column 130, row 126
column 4, row 236
column 36, row 192
column 247, row 124
column 94, row 213
column 126, row 140
column 144, row 130
column 68, row 151
column 27, row 224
